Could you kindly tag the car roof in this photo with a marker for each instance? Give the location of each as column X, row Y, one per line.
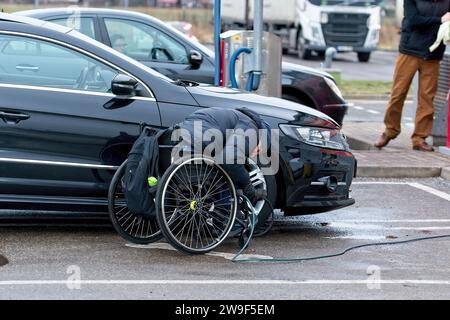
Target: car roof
column 72, row 10
column 9, row 17
column 54, row 12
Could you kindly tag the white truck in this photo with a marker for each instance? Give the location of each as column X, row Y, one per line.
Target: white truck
column 308, row 26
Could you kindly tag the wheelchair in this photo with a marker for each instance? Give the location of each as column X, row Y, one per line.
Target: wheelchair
column 197, row 205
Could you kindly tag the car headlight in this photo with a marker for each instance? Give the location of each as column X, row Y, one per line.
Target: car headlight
column 324, row 17
column 320, row 137
column 334, row 87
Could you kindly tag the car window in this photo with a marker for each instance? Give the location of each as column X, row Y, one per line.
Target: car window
column 84, row 25
column 28, row 61
column 143, row 42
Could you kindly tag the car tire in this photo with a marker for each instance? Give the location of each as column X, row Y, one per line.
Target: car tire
column 266, row 211
column 259, row 179
column 364, row 56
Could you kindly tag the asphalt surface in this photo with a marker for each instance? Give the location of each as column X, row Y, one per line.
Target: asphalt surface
column 374, row 110
column 49, row 262
column 379, row 68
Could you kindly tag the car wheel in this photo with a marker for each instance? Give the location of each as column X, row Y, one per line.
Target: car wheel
column 363, row 56
column 302, row 52
column 269, row 183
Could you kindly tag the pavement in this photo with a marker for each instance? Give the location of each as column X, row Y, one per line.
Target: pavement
column 81, row 262
column 364, row 124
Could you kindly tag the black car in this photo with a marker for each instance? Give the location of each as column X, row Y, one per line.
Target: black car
column 161, row 47
column 66, row 124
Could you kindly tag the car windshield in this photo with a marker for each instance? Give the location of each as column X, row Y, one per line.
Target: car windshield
column 355, row 3
column 124, row 57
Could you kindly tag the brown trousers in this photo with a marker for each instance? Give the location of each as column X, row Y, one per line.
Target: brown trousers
column 405, row 69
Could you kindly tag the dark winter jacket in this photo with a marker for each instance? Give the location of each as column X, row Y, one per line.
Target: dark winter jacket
column 420, row 27
column 223, row 119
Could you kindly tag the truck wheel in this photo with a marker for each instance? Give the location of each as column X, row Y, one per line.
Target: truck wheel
column 302, row 52
column 363, row 56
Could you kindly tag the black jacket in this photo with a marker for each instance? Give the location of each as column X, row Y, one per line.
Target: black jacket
column 223, row 119
column 420, row 27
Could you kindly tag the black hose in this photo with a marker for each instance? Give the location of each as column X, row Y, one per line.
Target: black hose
column 333, row 255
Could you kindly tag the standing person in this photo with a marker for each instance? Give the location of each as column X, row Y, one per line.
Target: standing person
column 420, row 26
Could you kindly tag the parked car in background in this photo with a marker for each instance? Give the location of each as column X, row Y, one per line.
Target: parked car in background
column 72, row 107
column 163, row 48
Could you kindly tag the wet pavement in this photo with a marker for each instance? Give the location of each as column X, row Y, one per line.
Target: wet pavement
column 94, row 263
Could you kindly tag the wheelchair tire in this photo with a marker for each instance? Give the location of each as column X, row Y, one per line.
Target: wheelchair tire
column 196, row 205
column 135, row 229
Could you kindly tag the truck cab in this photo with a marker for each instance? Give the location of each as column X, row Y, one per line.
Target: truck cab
column 347, row 25
column 308, row 26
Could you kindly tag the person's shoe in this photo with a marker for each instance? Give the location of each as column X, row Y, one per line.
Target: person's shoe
column 382, row 141
column 425, row 147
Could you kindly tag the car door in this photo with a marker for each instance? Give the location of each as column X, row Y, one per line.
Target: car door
column 62, row 133
column 86, row 23
column 155, row 48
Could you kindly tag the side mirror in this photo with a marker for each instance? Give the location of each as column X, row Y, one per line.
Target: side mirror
column 124, row 86
column 195, row 58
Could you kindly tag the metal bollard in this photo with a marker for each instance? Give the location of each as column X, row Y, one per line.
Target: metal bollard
column 329, row 56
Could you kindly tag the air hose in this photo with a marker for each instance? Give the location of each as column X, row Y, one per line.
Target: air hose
column 321, row 257
column 253, row 79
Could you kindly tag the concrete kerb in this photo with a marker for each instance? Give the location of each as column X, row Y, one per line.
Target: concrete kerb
column 399, row 172
column 445, row 173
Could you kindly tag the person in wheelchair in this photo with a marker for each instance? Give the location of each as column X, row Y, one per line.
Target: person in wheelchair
column 236, row 127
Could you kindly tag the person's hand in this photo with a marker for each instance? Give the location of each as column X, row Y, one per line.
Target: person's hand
column 256, row 152
column 445, row 17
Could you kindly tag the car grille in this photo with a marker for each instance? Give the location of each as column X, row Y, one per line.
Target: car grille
column 345, row 29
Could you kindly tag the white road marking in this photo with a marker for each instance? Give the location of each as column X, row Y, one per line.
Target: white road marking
column 358, row 108
column 222, row 282
column 227, row 256
column 416, row 185
column 373, row 111
column 398, row 221
column 342, row 225
column 420, row 228
column 358, row 237
column 433, row 191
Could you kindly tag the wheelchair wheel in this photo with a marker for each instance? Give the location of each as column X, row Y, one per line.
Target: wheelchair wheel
column 196, row 205
column 133, row 228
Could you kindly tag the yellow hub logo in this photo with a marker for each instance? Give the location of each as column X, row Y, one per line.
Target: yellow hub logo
column 193, row 205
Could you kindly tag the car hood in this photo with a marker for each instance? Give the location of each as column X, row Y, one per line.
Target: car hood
column 281, row 111
column 287, row 66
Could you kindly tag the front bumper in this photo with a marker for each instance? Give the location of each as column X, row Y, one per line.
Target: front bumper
column 342, row 48
column 305, row 167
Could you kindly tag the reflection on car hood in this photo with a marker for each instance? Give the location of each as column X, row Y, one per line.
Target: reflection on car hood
column 287, row 66
column 286, row 111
